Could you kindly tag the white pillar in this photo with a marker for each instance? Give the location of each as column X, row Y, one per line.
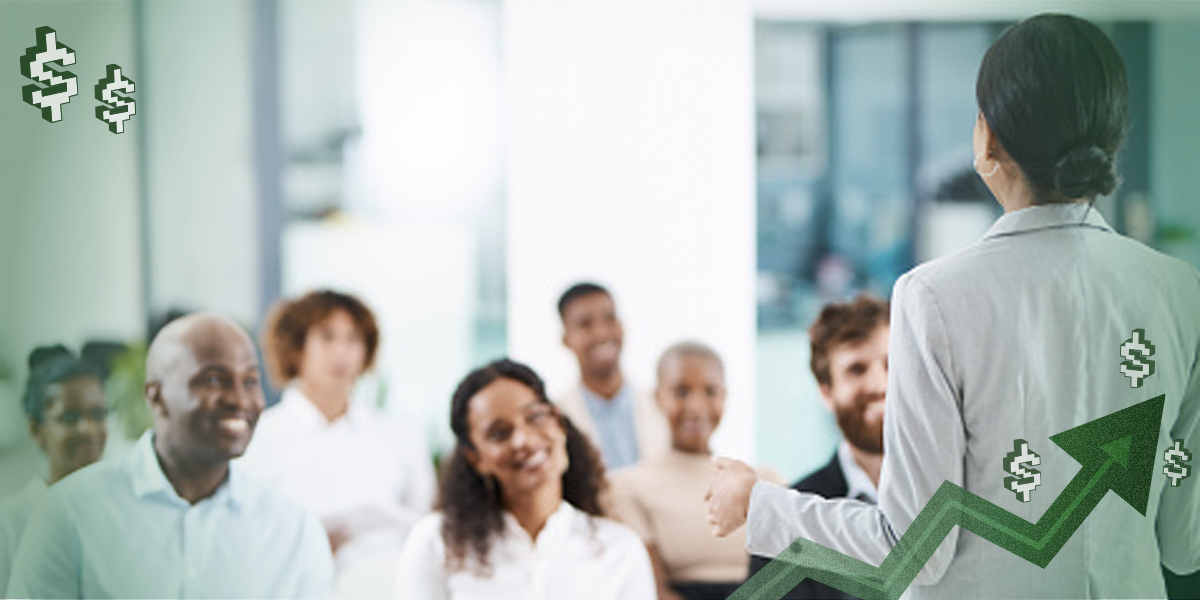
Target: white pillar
column 631, row 162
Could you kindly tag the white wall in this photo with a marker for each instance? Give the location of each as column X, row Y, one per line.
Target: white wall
column 69, row 262
column 428, row 89
column 203, row 215
column 630, row 162
column 419, row 281
column 958, row 10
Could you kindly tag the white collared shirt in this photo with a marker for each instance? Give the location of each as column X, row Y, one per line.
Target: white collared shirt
column 14, row 515
column 858, row 483
column 575, row 556
column 118, row 529
column 1018, row 337
column 365, row 460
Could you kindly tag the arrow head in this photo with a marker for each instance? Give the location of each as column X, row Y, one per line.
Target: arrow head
column 1129, row 437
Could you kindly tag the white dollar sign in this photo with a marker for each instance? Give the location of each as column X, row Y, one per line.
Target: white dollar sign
column 1136, row 350
column 122, row 107
column 1026, row 479
column 60, row 85
column 1175, row 457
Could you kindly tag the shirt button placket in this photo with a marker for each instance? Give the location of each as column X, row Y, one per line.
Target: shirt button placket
column 191, row 543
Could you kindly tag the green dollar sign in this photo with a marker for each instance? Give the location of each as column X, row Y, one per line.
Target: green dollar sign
column 1027, row 479
column 1137, row 351
column 117, row 108
column 1175, row 457
column 60, row 85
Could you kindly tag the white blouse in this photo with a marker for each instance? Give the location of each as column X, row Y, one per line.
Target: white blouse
column 365, row 465
column 575, row 556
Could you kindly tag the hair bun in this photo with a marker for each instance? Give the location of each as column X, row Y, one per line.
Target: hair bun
column 1084, row 172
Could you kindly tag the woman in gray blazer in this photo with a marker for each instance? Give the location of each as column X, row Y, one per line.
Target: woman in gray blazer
column 1019, row 337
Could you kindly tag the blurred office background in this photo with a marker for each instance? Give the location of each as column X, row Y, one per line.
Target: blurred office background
column 724, row 166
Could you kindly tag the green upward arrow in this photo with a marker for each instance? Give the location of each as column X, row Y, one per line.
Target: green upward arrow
column 1117, row 452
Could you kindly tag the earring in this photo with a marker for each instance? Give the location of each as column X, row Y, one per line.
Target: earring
column 975, row 165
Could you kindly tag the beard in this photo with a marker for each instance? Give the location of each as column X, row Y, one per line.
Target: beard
column 858, row 433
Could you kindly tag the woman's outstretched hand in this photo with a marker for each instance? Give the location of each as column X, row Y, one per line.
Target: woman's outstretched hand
column 728, row 497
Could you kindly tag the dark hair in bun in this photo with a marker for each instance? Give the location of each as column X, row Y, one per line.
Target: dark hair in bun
column 1085, row 172
column 1054, row 92
column 49, row 365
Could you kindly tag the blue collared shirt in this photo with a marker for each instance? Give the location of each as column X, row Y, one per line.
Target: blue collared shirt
column 118, row 529
column 614, row 426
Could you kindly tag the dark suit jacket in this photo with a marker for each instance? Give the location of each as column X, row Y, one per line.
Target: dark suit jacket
column 827, row 482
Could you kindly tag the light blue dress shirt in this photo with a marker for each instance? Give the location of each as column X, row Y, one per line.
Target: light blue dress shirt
column 117, row 529
column 614, row 424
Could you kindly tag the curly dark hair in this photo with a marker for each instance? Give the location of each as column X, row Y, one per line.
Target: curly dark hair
column 472, row 509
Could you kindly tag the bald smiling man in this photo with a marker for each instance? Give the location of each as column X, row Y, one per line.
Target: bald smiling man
column 173, row 518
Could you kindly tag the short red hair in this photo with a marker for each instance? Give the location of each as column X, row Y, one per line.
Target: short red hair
column 289, row 322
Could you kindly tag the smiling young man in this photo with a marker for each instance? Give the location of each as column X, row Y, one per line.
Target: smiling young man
column 624, row 423
column 849, row 359
column 173, row 518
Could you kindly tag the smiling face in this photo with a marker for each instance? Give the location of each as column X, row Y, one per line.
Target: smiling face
column 206, row 393
column 517, row 438
column 858, row 383
column 691, row 392
column 334, row 354
column 73, row 429
column 593, row 332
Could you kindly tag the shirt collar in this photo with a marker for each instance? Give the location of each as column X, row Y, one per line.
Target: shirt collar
column 595, row 402
column 148, row 478
column 562, row 518
column 36, row 486
column 295, row 403
column 857, row 480
column 1047, row 216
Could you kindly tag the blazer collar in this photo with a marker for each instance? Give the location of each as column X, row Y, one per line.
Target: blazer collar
column 1047, row 216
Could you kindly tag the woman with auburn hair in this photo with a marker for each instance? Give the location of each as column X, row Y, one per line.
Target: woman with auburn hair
column 1018, row 338
column 519, row 512
column 366, row 474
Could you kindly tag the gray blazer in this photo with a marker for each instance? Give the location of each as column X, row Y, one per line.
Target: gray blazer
column 1019, row 336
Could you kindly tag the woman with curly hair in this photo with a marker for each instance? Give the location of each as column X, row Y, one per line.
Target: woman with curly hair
column 519, row 515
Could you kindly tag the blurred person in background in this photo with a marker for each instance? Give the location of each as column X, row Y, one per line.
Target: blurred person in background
column 519, row 515
column 365, row 474
column 1060, row 290
column 662, row 497
column 174, row 518
column 622, row 421
column 849, row 359
column 67, row 414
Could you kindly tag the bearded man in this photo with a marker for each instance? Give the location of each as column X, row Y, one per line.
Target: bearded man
column 849, row 344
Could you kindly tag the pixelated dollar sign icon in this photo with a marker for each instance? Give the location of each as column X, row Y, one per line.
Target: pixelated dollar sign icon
column 60, row 85
column 1175, row 469
column 118, row 108
column 1026, row 479
column 1137, row 365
